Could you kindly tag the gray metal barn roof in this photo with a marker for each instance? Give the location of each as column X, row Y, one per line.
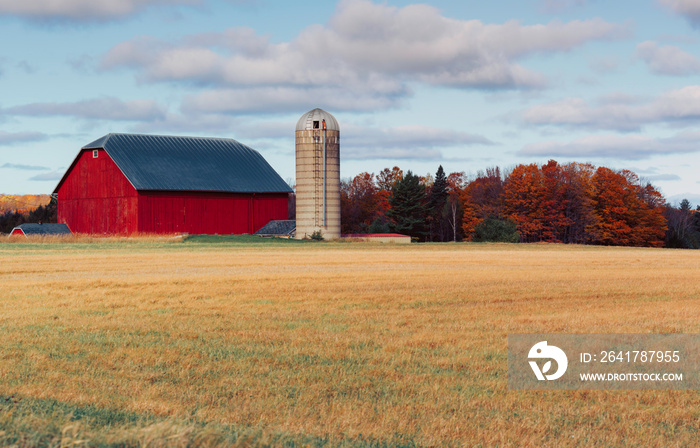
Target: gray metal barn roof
column 278, row 228
column 158, row 162
column 43, row 229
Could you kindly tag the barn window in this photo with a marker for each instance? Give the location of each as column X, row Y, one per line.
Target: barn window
column 94, row 153
column 316, row 124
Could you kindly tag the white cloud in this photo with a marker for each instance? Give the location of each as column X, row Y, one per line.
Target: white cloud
column 98, row 109
column 620, row 112
column 627, row 147
column 80, row 10
column 292, row 99
column 357, row 142
column 604, row 64
column 370, row 51
column 668, row 60
column 403, row 142
column 619, row 98
column 688, row 8
column 694, row 198
column 358, row 153
column 211, row 124
column 11, row 138
column 17, row 166
column 576, row 112
column 50, row 176
column 663, row 177
column 677, row 38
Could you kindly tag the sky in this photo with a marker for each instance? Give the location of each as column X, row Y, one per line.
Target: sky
column 467, row 85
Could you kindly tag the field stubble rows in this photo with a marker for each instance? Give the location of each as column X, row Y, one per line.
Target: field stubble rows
column 338, row 340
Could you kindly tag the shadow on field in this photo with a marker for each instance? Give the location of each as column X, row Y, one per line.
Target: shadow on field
column 27, row 422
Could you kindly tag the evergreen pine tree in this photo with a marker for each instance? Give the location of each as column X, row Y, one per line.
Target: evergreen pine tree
column 407, row 210
column 685, row 206
column 436, row 206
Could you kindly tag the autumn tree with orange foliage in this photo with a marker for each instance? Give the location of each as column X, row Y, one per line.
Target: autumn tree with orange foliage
column 572, row 203
column 629, row 214
column 578, row 204
column 359, row 201
column 555, row 202
column 523, row 197
column 386, row 179
column 552, row 203
column 21, row 209
column 22, row 204
column 481, row 198
column 612, row 204
column 652, row 220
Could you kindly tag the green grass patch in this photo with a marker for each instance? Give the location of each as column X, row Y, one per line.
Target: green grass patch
column 249, row 240
column 37, row 423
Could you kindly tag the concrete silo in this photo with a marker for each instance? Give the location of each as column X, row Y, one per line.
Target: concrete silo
column 318, row 175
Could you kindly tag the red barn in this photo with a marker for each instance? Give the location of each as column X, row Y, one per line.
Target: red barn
column 127, row 183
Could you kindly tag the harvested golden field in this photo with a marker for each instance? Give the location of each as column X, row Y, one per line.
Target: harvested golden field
column 210, row 341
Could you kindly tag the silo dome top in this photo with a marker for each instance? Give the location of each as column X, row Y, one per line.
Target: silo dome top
column 314, row 120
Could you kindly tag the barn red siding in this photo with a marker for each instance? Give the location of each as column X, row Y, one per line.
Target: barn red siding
column 209, row 213
column 268, row 207
column 18, row 232
column 97, row 198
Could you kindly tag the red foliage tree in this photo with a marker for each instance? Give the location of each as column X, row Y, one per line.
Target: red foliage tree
column 555, row 202
column 572, row 203
column 629, row 214
column 358, row 203
column 523, row 196
column 385, row 182
column 481, row 198
column 612, row 196
column 579, row 209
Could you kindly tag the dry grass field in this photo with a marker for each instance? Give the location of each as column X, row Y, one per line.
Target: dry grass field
column 210, row 341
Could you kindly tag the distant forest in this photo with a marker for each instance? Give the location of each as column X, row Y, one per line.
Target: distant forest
column 574, row 203
column 16, row 210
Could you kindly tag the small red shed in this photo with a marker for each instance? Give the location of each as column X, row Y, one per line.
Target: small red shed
column 39, row 228
column 128, row 183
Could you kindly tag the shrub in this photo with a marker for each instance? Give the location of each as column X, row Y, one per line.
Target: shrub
column 496, row 229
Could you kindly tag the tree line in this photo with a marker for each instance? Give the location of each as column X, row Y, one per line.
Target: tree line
column 574, row 203
column 22, row 203
column 10, row 219
column 571, row 203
